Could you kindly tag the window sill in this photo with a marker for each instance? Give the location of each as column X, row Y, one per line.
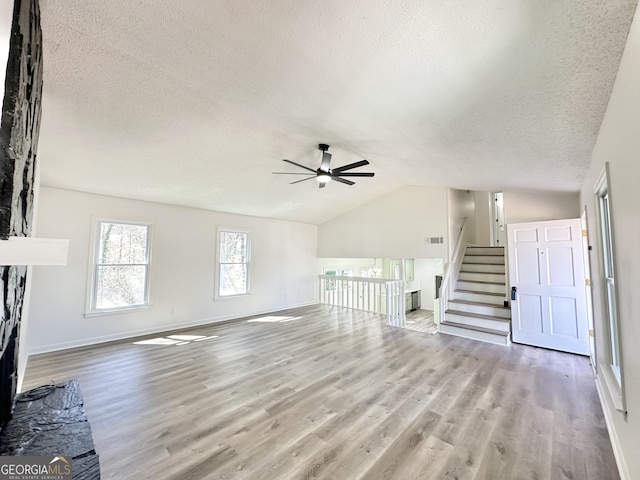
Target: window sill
column 230, row 297
column 113, row 311
column 614, row 389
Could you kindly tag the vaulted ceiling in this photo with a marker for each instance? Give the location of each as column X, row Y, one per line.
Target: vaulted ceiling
column 196, row 102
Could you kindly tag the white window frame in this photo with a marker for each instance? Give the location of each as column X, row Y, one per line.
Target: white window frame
column 218, row 295
column 613, row 372
column 91, row 309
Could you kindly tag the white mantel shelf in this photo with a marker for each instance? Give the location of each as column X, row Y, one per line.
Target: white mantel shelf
column 33, row 251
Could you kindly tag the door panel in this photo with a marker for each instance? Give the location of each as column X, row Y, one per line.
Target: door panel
column 530, row 313
column 527, row 235
column 558, row 234
column 527, row 267
column 564, row 316
column 546, row 267
column 560, row 267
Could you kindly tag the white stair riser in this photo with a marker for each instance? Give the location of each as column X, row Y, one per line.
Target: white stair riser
column 482, row 267
column 479, row 322
column 480, row 287
column 482, row 277
column 485, row 251
column 497, row 259
column 481, row 309
column 479, row 297
column 474, row 335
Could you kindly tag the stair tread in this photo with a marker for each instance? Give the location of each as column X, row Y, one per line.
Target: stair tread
column 478, row 263
column 489, row 254
column 481, row 281
column 490, row 273
column 477, row 329
column 477, row 315
column 480, row 292
column 482, row 304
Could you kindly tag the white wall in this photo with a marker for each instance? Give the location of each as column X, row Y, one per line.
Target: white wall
column 482, row 217
column 538, row 206
column 392, row 226
column 425, row 270
column 619, row 143
column 460, row 206
column 283, row 269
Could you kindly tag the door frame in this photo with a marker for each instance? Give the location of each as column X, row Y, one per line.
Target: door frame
column 588, row 287
column 581, row 344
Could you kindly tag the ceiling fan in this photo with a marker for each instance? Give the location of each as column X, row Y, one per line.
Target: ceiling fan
column 324, row 174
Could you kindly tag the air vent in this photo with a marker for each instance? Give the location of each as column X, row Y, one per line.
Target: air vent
column 433, row 240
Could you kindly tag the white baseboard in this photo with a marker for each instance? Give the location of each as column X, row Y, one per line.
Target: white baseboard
column 85, row 342
column 613, row 435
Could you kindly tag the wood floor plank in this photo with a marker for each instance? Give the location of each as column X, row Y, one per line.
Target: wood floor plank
column 335, row 394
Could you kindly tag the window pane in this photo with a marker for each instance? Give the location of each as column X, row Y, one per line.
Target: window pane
column 123, row 243
column 233, row 279
column 120, row 286
column 233, row 247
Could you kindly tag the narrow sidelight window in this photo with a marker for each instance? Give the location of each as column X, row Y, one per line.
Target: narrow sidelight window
column 613, row 374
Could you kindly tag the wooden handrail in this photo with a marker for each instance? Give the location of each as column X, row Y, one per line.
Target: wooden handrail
column 452, row 269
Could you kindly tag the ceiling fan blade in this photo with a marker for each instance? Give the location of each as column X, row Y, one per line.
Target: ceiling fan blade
column 326, row 160
column 342, row 180
column 352, row 174
column 303, row 180
column 361, row 163
column 298, row 165
column 293, row 173
column 322, row 185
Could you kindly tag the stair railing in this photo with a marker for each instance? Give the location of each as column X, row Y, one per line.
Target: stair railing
column 452, row 269
column 395, row 303
column 375, row 295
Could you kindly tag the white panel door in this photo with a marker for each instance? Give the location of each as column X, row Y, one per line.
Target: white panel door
column 547, row 270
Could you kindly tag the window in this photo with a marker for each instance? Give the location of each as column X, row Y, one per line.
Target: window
column 120, row 276
column 609, row 278
column 614, row 374
column 234, row 247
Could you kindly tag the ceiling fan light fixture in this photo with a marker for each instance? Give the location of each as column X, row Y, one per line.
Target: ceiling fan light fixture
column 325, row 173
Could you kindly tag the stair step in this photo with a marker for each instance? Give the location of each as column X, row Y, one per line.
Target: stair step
column 480, row 292
column 480, row 334
column 490, row 298
column 483, row 267
column 479, row 286
column 492, row 322
column 495, row 277
column 480, row 304
column 478, row 315
column 474, row 307
column 488, row 259
column 484, row 251
column 477, row 329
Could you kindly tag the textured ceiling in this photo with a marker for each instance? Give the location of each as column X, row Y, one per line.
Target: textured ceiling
column 196, row 102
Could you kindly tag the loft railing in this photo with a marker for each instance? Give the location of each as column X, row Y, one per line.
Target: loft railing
column 452, row 269
column 375, row 295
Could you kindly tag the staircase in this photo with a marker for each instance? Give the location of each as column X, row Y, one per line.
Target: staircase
column 476, row 308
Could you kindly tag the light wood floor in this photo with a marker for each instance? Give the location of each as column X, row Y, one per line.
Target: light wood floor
column 336, row 394
column 420, row 321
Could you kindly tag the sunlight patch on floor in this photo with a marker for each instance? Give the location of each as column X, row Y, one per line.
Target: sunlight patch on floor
column 175, row 340
column 274, row 319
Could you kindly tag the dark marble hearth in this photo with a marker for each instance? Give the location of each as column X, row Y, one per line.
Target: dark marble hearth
column 50, row 421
